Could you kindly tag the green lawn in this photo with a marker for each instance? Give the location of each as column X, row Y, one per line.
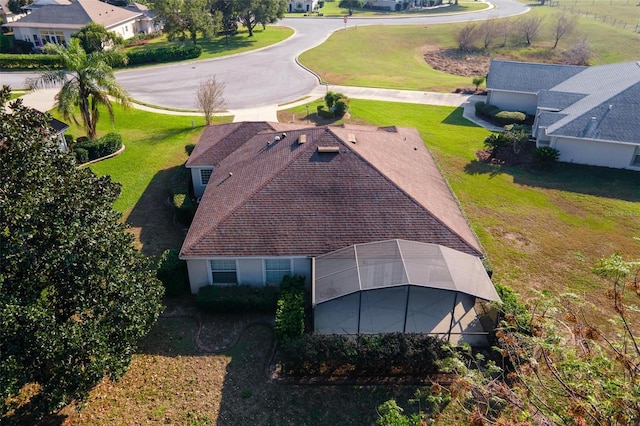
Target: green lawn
column 215, row 47
column 392, row 56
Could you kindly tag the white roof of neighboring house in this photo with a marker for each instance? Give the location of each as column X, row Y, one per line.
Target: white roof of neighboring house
column 59, row 14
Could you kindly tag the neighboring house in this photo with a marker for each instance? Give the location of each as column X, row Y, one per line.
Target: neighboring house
column 391, row 5
column 149, row 22
column 589, row 114
column 275, row 196
column 7, row 15
column 302, row 5
column 54, row 21
column 60, row 128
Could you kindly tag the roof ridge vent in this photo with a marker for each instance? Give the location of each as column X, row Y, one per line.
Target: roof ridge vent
column 329, row 149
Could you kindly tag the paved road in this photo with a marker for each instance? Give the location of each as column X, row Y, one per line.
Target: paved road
column 264, row 77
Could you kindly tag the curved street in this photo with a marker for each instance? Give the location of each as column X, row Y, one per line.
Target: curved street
column 265, row 77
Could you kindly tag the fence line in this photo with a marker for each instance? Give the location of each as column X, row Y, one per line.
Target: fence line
column 614, row 22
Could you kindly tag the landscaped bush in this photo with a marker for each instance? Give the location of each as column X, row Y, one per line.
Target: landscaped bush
column 546, row 156
column 323, row 112
column 102, row 147
column 497, row 116
column 290, row 313
column 510, row 117
column 81, row 154
column 369, row 355
column 141, row 39
column 19, row 61
column 180, row 198
column 173, row 273
column 163, row 54
column 238, row 298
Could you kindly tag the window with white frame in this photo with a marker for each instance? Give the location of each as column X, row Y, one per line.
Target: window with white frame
column 276, row 269
column 223, row 271
column 205, row 175
column 51, row 36
column 636, row 157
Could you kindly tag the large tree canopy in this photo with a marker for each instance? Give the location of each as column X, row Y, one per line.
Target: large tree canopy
column 75, row 294
column 95, row 38
column 254, row 12
column 186, row 18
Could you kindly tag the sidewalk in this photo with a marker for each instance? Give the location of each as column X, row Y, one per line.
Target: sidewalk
column 44, row 100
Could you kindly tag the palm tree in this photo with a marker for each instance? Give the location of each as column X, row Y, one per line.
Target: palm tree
column 87, row 81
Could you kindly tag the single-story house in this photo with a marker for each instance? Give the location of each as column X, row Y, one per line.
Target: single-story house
column 302, row 6
column 54, row 21
column 276, row 196
column 391, row 5
column 589, row 114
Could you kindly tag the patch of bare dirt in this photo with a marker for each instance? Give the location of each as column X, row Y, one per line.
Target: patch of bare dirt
column 452, row 61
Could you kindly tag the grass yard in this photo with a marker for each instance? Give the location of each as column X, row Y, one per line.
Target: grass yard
column 155, row 145
column 215, row 47
column 395, row 54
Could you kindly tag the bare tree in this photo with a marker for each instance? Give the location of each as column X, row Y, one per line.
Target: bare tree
column 487, row 31
column 506, row 31
column 579, row 54
column 211, row 97
column 530, row 26
column 564, row 25
column 465, row 36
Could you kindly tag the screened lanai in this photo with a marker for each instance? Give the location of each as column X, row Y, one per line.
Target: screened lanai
column 401, row 286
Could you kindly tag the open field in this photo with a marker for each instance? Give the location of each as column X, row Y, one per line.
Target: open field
column 395, row 54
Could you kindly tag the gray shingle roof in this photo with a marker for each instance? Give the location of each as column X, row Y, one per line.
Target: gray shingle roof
column 528, row 77
column 76, row 15
column 549, row 99
column 288, row 199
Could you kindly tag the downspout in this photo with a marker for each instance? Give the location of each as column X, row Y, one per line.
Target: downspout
column 453, row 310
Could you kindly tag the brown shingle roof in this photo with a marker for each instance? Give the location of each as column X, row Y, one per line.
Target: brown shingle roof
column 287, row 199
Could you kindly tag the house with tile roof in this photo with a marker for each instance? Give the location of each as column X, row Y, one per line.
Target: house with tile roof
column 589, row 114
column 53, row 21
column 276, row 197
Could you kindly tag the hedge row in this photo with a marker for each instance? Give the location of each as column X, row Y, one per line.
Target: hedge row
column 290, row 313
column 496, row 115
column 93, row 149
column 163, row 54
column 238, row 298
column 143, row 56
column 180, row 198
column 366, row 355
column 16, row 61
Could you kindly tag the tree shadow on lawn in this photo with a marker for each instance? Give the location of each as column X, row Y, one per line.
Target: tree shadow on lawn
column 152, row 218
column 456, row 118
column 591, row 180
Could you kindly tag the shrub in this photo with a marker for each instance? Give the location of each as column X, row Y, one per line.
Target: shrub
column 238, row 298
column 81, row 154
column 102, row 147
column 164, row 54
column 323, row 112
column 331, row 97
column 290, row 315
column 510, row 117
column 514, row 313
column 340, row 107
column 20, row 61
column 182, row 204
column 350, row 4
column 371, row 355
column 173, row 273
column 546, row 156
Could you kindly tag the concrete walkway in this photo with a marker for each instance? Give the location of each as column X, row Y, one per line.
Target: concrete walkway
column 44, row 100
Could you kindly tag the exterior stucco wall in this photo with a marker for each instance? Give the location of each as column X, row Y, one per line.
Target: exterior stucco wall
column 249, row 271
column 199, row 275
column 126, row 30
column 595, row 153
column 198, row 187
column 26, row 34
column 508, row 101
